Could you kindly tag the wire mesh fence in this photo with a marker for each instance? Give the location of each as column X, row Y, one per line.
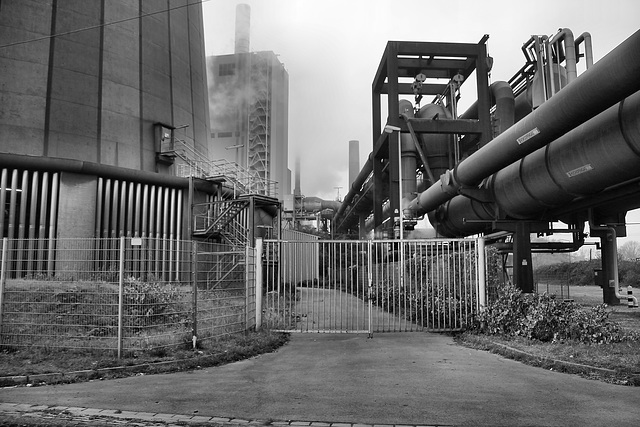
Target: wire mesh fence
column 122, row 294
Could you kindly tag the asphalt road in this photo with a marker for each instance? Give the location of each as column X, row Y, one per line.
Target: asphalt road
column 395, row 378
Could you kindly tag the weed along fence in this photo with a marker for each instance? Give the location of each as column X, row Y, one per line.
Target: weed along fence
column 123, row 294
column 371, row 286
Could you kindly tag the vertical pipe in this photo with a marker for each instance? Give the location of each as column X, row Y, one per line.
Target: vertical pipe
column 172, row 227
column 158, row 245
column 120, row 295
column 114, row 209
column 152, row 227
column 3, row 275
column 137, row 211
column 22, row 220
column 130, row 210
column 178, row 233
column 122, row 217
column 3, row 199
column 43, row 220
column 106, row 213
column 24, row 197
column 143, row 217
column 259, row 249
column 33, row 216
column 98, row 243
column 98, row 218
column 165, row 231
column 13, row 200
column 53, row 221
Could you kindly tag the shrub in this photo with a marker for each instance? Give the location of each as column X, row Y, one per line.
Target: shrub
column 543, row 318
column 154, row 303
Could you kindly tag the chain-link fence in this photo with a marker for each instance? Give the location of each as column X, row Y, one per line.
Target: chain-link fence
column 123, row 294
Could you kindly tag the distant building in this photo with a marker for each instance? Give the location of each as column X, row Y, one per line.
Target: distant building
column 249, row 109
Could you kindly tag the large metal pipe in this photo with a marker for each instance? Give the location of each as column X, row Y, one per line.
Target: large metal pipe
column 502, row 97
column 366, row 170
column 602, row 153
column 54, row 164
column 316, row 204
column 611, row 79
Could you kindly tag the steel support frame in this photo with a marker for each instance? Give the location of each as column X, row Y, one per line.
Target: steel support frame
column 437, row 61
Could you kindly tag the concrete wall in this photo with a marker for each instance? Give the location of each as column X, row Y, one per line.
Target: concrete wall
column 95, row 95
column 77, row 206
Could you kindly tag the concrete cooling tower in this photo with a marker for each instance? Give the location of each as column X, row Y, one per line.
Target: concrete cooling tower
column 95, row 94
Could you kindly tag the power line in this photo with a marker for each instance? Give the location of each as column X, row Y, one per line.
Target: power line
column 93, row 27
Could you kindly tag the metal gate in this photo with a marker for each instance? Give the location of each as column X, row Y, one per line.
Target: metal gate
column 370, row 286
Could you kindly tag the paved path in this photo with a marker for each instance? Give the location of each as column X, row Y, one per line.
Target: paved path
column 334, row 310
column 395, row 378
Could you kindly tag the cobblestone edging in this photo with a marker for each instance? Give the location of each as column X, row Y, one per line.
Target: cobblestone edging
column 89, row 374
column 113, row 417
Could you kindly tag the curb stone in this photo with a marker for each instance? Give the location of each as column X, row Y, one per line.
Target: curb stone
column 104, row 417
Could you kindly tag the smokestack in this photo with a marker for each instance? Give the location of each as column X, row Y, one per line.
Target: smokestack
column 296, row 190
column 243, row 27
column 354, row 160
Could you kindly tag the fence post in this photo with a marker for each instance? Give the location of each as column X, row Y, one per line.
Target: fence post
column 370, row 283
column 247, row 305
column 258, row 263
column 194, row 285
column 120, row 296
column 3, row 277
column 482, row 274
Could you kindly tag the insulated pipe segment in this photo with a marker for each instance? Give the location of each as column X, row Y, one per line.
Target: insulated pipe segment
column 611, row 79
column 603, row 152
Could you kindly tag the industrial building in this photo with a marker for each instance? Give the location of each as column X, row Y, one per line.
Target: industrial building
column 249, row 102
column 104, row 127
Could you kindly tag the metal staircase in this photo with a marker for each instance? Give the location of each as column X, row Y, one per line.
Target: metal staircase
column 224, row 220
column 228, row 271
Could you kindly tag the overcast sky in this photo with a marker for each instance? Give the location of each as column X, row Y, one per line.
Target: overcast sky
column 332, row 48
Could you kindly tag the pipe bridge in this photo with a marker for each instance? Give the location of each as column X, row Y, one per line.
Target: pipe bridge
column 559, row 141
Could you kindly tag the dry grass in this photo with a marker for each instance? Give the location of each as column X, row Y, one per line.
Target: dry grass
column 37, row 360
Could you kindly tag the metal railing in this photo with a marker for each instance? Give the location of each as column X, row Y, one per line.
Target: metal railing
column 241, row 180
column 122, row 294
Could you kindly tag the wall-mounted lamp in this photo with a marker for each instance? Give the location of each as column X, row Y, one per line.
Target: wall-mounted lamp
column 232, row 147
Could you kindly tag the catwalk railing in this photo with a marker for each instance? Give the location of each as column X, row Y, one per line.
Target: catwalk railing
column 122, row 294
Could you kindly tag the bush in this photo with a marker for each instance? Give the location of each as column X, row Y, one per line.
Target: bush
column 154, row 303
column 543, row 318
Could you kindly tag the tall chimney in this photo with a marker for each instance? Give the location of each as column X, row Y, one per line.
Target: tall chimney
column 296, row 190
column 243, row 27
column 354, row 160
